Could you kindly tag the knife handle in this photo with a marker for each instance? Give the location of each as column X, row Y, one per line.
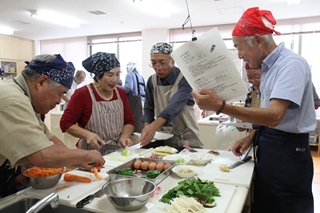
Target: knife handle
column 84, row 201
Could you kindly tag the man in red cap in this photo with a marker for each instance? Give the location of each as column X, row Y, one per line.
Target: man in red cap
column 284, row 167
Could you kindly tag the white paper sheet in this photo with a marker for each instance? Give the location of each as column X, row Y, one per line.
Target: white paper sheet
column 207, row 64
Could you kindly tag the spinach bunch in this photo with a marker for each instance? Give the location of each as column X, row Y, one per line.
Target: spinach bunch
column 126, row 171
column 152, row 174
column 192, row 187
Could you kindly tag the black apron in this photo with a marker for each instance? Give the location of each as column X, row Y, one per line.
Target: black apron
column 283, row 172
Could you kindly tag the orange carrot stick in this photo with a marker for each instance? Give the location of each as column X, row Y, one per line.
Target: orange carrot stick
column 95, row 171
column 76, row 178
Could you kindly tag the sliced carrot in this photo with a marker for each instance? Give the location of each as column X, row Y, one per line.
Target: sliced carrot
column 60, row 188
column 95, row 171
column 76, row 178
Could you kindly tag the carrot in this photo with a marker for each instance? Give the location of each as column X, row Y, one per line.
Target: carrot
column 95, row 171
column 76, row 178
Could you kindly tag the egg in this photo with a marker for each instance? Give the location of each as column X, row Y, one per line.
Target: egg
column 145, row 165
column 167, row 166
column 152, row 166
column 137, row 164
column 160, row 166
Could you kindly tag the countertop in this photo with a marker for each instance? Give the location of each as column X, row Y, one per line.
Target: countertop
column 102, row 204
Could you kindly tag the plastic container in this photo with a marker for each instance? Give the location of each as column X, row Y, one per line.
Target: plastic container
column 313, row 138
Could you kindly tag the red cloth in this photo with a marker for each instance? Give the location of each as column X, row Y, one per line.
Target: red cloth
column 79, row 108
column 251, row 24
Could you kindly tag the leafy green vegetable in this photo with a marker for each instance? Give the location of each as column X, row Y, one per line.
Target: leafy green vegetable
column 126, row 171
column 192, row 187
column 152, row 174
column 180, row 160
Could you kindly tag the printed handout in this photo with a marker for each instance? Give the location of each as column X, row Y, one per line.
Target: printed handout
column 207, row 64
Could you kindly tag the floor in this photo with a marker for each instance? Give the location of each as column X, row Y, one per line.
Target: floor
column 316, row 178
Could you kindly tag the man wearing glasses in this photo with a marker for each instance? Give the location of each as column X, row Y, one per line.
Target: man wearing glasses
column 168, row 103
column 253, row 77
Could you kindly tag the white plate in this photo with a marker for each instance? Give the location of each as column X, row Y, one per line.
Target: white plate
column 201, row 158
column 178, row 158
column 178, row 168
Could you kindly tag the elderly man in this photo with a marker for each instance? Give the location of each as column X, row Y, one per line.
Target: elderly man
column 284, row 167
column 169, row 104
column 135, row 90
column 77, row 80
column 24, row 137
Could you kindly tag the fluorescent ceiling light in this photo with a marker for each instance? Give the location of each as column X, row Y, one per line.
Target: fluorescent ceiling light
column 6, row 31
column 289, row 2
column 153, row 7
column 55, row 18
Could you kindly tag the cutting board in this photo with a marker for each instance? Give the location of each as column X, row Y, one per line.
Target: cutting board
column 237, row 176
column 75, row 190
column 226, row 192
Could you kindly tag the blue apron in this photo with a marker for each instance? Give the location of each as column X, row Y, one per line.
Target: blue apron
column 283, row 172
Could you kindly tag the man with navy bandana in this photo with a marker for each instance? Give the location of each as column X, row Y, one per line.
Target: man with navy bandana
column 25, row 139
column 168, row 103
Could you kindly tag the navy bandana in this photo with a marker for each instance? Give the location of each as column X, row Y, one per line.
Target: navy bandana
column 161, row 48
column 59, row 70
column 100, row 63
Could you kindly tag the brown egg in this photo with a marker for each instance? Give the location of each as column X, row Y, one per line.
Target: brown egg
column 152, row 166
column 137, row 164
column 160, row 166
column 145, row 165
column 166, row 166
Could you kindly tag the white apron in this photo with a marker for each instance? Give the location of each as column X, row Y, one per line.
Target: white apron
column 184, row 126
column 106, row 120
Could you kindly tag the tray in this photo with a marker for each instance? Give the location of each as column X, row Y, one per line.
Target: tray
column 130, row 163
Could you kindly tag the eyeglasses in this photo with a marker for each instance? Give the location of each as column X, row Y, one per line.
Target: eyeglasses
column 252, row 80
column 160, row 65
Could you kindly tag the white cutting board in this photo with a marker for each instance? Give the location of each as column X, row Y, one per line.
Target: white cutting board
column 239, row 176
column 226, row 192
column 76, row 190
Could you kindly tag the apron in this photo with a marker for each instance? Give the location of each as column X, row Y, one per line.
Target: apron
column 255, row 102
column 283, row 172
column 184, row 126
column 106, row 120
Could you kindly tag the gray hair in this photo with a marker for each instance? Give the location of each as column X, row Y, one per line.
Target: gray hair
column 267, row 38
column 31, row 74
column 79, row 72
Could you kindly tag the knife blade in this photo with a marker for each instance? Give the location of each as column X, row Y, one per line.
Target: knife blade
column 89, row 198
column 111, row 146
column 238, row 163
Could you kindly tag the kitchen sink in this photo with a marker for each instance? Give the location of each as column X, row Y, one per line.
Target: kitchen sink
column 22, row 206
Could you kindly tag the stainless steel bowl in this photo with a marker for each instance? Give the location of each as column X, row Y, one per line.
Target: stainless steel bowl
column 45, row 182
column 129, row 194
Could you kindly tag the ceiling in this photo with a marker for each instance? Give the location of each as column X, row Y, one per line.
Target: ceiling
column 125, row 16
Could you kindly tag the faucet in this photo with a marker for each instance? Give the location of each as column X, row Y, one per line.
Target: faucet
column 52, row 198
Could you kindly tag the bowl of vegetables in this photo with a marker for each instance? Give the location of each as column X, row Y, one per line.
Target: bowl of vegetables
column 43, row 178
column 199, row 158
column 129, row 194
column 185, row 171
column 179, row 159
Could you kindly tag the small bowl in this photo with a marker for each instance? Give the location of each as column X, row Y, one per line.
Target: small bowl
column 201, row 158
column 179, row 159
column 45, row 182
column 129, row 194
column 185, row 171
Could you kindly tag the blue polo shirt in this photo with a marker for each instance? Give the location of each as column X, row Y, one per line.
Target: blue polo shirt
column 287, row 76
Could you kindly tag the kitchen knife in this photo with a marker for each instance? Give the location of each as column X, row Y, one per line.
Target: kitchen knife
column 111, row 146
column 89, row 198
column 238, row 163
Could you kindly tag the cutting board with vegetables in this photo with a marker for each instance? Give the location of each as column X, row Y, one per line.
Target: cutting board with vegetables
column 70, row 192
column 222, row 202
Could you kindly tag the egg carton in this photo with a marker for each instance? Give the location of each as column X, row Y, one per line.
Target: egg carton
column 113, row 173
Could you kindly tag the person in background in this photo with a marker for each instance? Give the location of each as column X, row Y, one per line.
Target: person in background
column 135, row 90
column 283, row 166
column 168, row 105
column 77, row 80
column 253, row 99
column 315, row 98
column 99, row 113
column 25, row 140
